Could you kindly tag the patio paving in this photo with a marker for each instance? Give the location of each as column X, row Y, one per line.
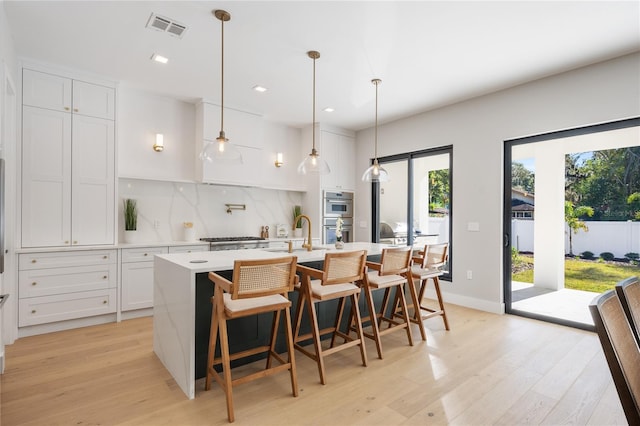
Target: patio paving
column 572, row 305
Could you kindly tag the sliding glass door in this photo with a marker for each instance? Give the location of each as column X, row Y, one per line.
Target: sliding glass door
column 414, row 207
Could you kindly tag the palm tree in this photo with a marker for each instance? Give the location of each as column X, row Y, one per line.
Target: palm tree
column 572, row 216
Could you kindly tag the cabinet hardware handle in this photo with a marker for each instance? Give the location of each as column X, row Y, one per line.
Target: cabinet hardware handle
column 75, row 110
column 105, row 257
column 33, row 311
column 67, row 108
column 75, row 242
column 146, row 254
column 104, row 277
column 104, row 302
column 66, row 242
column 34, row 283
column 33, row 261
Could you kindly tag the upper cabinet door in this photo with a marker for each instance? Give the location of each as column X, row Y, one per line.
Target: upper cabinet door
column 46, row 91
column 93, row 181
column 93, row 100
column 46, row 178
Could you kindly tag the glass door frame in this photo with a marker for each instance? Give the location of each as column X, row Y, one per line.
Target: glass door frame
column 375, row 196
column 506, row 221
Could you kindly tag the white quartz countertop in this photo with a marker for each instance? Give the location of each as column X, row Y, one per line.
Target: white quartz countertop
column 223, row 260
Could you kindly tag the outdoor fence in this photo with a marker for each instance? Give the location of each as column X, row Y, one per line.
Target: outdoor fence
column 618, row 238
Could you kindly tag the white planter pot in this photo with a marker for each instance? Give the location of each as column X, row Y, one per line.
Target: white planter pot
column 297, row 232
column 130, row 236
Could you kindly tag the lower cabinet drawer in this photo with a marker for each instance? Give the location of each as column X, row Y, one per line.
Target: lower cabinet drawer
column 47, row 282
column 45, row 309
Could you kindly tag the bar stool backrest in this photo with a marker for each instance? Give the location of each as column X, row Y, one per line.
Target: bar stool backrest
column 344, row 267
column 395, row 261
column 435, row 255
column 620, row 349
column 264, row 277
column 629, row 294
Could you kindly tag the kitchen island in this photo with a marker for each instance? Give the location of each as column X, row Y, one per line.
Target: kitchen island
column 182, row 308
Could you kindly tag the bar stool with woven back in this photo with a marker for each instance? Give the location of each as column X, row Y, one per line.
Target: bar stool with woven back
column 258, row 286
column 341, row 270
column 428, row 266
column 393, row 271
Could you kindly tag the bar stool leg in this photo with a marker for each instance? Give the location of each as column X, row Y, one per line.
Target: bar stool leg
column 290, row 349
column 436, row 284
column 213, row 336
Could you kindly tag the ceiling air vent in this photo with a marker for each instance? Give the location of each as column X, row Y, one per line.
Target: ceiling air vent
column 166, row 25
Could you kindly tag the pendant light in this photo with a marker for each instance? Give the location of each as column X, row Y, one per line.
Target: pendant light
column 313, row 163
column 221, row 150
column 375, row 173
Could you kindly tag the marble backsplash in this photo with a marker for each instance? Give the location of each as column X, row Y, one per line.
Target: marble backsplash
column 163, row 208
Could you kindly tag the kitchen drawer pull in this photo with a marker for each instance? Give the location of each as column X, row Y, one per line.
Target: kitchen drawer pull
column 75, row 242
column 104, row 302
column 75, row 110
column 34, row 283
column 66, row 242
column 105, row 257
column 33, row 261
column 33, row 311
column 146, row 254
column 104, row 277
column 67, row 108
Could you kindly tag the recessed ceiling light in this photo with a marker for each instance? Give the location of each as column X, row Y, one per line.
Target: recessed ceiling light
column 328, row 109
column 159, row 58
column 259, row 88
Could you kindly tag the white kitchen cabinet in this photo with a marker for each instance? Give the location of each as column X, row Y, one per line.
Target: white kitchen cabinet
column 339, row 152
column 46, row 178
column 136, row 277
column 93, row 181
column 68, row 162
column 44, row 90
column 58, row 286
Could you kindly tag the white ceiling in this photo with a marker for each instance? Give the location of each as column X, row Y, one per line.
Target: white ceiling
column 428, row 54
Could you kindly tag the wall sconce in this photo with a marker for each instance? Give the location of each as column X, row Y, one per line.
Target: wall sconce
column 159, row 145
column 279, row 160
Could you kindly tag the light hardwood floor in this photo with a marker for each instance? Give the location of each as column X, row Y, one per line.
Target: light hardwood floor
column 489, row 369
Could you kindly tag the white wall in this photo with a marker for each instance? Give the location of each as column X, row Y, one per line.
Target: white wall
column 477, row 130
column 140, row 116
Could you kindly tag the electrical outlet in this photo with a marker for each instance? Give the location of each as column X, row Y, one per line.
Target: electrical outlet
column 469, row 275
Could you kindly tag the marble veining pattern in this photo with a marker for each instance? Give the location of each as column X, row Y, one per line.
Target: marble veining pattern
column 169, row 204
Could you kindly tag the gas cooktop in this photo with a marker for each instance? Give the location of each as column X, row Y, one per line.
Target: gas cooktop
column 230, row 239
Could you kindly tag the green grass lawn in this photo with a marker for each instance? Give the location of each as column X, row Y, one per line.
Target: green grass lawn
column 585, row 275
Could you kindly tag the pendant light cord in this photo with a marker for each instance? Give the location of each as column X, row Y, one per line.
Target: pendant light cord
column 375, row 139
column 222, row 78
column 313, row 127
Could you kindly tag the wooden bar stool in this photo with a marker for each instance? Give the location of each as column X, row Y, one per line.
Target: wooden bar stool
column 425, row 267
column 336, row 281
column 392, row 271
column 258, row 286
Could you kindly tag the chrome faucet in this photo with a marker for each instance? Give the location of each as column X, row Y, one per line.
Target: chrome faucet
column 304, row 216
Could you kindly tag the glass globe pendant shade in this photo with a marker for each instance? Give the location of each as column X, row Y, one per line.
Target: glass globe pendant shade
column 375, row 173
column 313, row 163
column 221, row 151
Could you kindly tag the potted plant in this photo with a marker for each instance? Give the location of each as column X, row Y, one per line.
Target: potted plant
column 297, row 226
column 130, row 219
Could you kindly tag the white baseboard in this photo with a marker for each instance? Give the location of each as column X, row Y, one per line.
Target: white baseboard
column 468, row 302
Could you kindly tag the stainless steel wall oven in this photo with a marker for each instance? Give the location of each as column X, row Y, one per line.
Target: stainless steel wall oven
column 337, row 204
